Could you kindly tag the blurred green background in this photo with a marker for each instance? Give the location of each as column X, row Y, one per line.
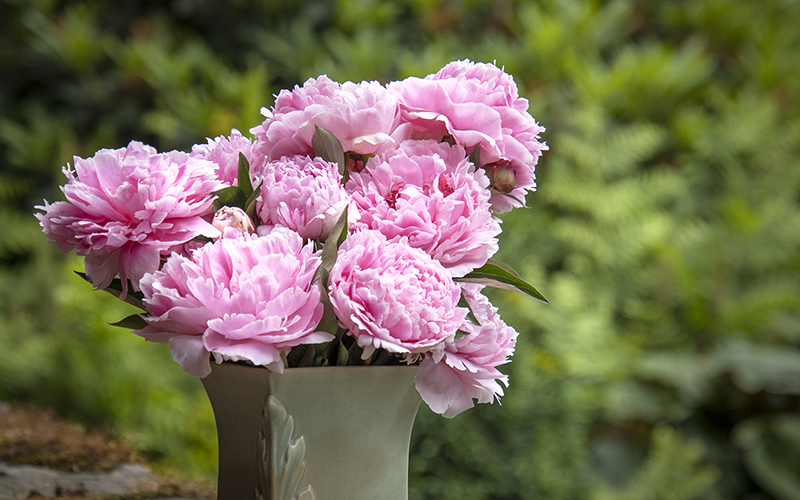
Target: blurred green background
column 665, row 232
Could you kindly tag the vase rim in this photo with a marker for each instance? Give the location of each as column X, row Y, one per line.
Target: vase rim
column 307, row 368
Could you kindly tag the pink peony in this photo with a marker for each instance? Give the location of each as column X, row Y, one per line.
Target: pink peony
column 363, row 116
column 303, row 194
column 126, row 207
column 233, row 218
column 224, row 153
column 430, row 194
column 478, row 105
column 466, row 369
column 392, row 296
column 246, row 298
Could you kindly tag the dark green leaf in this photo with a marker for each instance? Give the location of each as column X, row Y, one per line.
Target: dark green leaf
column 475, row 156
column 497, row 275
column 308, row 357
column 295, row 355
column 115, row 288
column 250, row 204
column 504, row 267
column 331, row 246
column 132, row 322
column 462, row 302
column 328, row 322
column 343, row 356
column 381, row 357
column 355, row 355
column 328, row 147
column 231, row 196
column 244, row 175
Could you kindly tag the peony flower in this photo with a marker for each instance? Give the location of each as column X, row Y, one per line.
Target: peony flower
column 478, row 106
column 224, row 153
column 128, row 206
column 303, row 194
column 392, row 296
column 430, row 194
column 233, row 218
column 364, row 117
column 466, row 369
column 245, row 298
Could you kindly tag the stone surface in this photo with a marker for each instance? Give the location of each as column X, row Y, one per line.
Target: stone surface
column 23, row 481
column 43, row 457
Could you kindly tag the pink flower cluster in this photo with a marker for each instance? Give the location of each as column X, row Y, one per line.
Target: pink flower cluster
column 127, row 207
column 242, row 297
column 426, row 166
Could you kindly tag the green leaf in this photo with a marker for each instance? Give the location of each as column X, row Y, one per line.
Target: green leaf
column 504, row 267
column 328, row 147
column 499, row 275
column 115, row 288
column 381, row 357
column 343, row 356
column 295, row 355
column 250, row 204
column 475, row 156
column 771, row 449
column 328, row 323
column 462, row 302
column 132, row 322
column 244, row 175
column 231, row 196
column 308, row 357
column 355, row 351
column 331, row 246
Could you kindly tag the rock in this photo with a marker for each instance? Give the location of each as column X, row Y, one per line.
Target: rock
column 23, row 481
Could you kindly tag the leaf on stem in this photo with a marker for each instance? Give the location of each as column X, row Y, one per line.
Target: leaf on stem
column 499, row 275
column 328, row 147
column 462, row 302
column 461, row 333
column 331, row 246
column 308, row 357
column 328, row 322
column 244, row 175
column 250, row 204
column 132, row 322
column 343, row 356
column 355, row 351
column 231, row 196
column 115, row 288
column 475, row 156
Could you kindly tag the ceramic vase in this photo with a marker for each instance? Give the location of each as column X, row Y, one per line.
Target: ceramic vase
column 324, row 433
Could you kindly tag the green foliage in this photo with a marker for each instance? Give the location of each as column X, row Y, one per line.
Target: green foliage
column 665, row 232
column 673, row 471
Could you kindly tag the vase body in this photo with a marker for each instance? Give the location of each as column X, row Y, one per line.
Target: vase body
column 323, row 433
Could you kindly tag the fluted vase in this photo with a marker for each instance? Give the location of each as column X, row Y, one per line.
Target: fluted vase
column 323, row 433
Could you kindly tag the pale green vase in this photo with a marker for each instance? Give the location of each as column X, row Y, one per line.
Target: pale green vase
column 325, row 433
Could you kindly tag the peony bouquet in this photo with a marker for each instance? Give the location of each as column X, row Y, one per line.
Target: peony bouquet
column 356, row 228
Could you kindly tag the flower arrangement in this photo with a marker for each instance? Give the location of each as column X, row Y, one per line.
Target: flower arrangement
column 357, row 228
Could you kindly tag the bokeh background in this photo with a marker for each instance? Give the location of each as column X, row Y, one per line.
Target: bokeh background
column 665, row 231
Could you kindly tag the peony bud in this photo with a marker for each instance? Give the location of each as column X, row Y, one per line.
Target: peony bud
column 501, row 175
column 355, row 163
column 233, row 217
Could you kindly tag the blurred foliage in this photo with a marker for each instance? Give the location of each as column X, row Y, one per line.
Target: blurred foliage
column 666, row 231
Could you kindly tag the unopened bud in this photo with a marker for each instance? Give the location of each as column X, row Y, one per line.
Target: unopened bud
column 501, row 176
column 233, row 217
column 355, row 163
